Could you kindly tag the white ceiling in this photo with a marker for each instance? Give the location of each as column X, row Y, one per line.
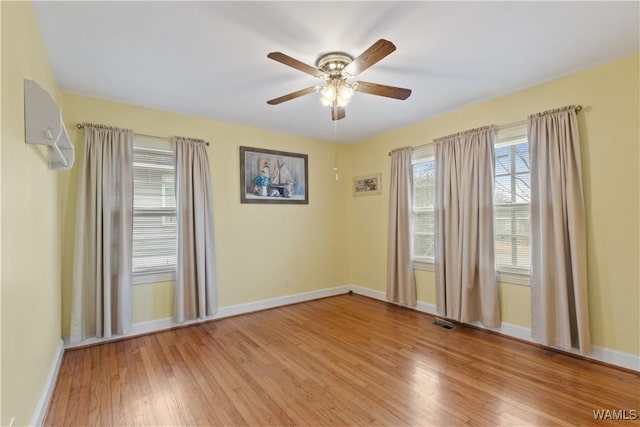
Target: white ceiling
column 209, row 59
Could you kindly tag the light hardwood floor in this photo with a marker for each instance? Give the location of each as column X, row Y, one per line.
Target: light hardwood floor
column 346, row 360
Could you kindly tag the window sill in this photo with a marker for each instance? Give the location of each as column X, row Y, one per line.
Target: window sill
column 154, row 277
column 423, row 266
column 501, row 276
column 513, row 278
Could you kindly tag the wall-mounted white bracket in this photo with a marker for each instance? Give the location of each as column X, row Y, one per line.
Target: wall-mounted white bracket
column 44, row 126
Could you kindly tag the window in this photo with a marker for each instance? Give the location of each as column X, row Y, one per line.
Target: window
column 154, row 211
column 423, row 200
column 512, row 200
column 511, row 211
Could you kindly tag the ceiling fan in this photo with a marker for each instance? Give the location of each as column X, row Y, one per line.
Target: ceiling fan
column 336, row 68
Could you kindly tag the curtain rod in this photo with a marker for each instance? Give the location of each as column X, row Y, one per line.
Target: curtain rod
column 81, row 126
column 578, row 109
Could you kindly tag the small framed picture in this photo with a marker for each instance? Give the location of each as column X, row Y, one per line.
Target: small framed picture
column 273, row 177
column 367, row 185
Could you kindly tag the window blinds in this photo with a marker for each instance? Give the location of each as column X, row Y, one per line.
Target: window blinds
column 154, row 211
column 512, row 201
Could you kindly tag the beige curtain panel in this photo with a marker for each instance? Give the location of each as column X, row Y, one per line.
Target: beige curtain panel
column 101, row 292
column 559, row 306
column 466, row 287
column 401, row 287
column 195, row 292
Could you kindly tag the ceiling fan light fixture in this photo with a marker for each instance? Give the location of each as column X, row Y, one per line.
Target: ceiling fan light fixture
column 336, row 91
column 345, row 91
column 328, row 93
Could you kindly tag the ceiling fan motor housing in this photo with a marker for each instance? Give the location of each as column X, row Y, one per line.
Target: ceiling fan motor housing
column 333, row 63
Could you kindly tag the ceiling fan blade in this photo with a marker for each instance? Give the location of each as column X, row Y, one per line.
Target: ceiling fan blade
column 298, row 65
column 383, row 90
column 337, row 112
column 375, row 53
column 292, row 95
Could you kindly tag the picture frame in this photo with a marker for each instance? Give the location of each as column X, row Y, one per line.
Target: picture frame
column 367, row 185
column 273, row 177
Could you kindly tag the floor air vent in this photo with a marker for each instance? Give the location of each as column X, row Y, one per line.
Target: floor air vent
column 444, row 324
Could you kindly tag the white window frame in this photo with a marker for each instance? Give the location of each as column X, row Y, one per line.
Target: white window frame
column 160, row 274
column 421, row 154
column 506, row 136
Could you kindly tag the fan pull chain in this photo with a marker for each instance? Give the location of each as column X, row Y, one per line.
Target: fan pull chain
column 335, row 140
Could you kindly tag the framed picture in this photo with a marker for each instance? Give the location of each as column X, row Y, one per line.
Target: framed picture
column 367, row 185
column 276, row 177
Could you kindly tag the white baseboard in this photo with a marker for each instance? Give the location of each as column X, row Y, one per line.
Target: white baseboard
column 601, row 354
column 45, row 398
column 231, row 310
column 368, row 292
column 234, row 310
column 237, row 309
column 421, row 305
column 615, row 357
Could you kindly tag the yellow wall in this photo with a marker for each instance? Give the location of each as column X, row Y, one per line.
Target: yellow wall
column 609, row 139
column 30, row 276
column 258, row 246
column 152, row 301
